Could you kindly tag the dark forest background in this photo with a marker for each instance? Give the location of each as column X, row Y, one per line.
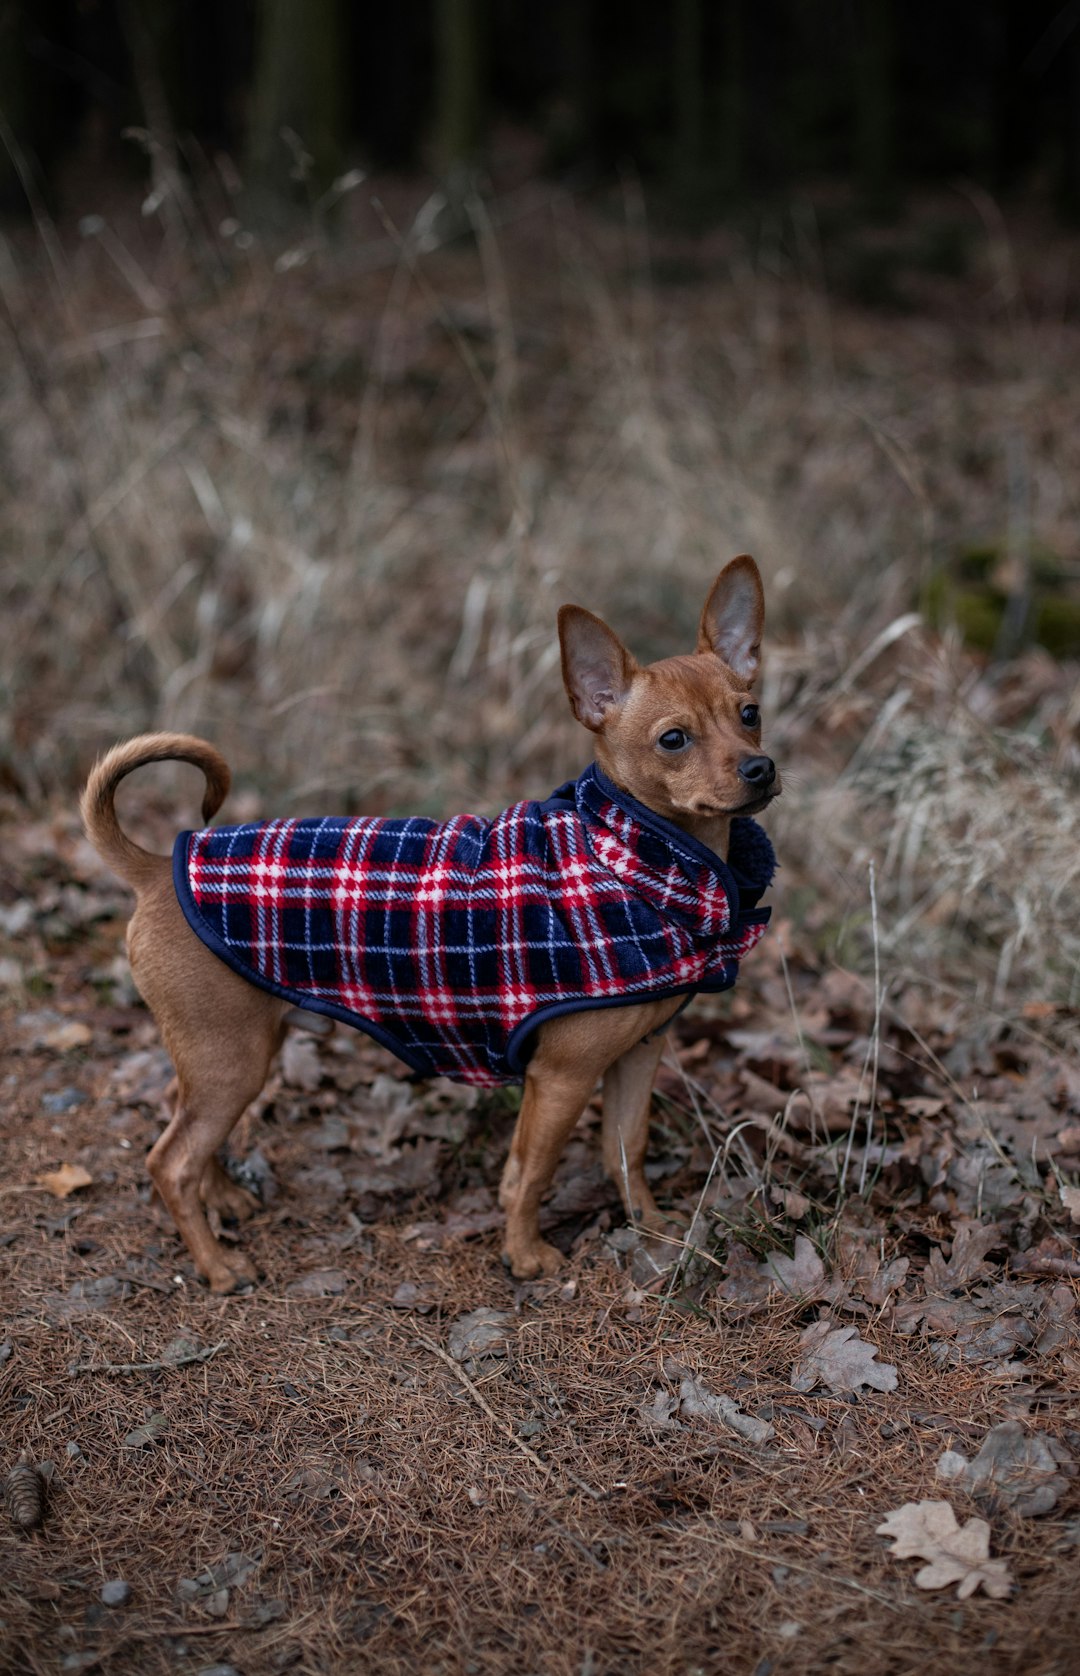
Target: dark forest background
column 712, row 101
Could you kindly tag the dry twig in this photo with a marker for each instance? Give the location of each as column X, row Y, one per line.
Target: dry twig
column 546, row 1467
column 168, row 1362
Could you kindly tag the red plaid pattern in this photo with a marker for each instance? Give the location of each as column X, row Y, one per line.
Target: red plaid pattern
column 450, row 942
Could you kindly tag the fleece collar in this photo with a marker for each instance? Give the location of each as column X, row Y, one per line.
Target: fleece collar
column 673, row 872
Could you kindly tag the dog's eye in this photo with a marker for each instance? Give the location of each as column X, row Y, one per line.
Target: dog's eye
column 673, row 740
column 750, row 715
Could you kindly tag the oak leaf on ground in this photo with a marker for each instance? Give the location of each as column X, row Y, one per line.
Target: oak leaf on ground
column 966, row 1262
column 839, row 1359
column 696, row 1401
column 65, row 1037
column 1026, row 1470
column 483, row 1332
column 928, row 1530
column 301, row 1066
column 802, row 1276
column 1070, row 1198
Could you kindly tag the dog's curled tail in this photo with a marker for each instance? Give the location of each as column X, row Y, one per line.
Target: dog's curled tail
column 103, row 829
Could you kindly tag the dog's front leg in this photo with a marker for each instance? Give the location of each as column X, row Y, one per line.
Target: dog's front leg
column 572, row 1054
column 554, row 1099
column 628, row 1085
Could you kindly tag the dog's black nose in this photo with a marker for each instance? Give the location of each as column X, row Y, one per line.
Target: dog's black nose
column 759, row 772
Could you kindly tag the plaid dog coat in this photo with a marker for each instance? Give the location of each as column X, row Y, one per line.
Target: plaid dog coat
column 450, row 942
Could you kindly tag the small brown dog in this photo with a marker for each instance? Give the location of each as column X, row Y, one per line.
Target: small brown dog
column 651, row 909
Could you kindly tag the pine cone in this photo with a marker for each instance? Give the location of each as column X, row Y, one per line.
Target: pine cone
column 25, row 1491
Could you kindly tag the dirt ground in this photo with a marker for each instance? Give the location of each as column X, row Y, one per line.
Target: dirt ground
column 352, row 1469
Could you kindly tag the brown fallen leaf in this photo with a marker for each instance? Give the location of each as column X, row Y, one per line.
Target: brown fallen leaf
column 920, row 1105
column 301, row 1066
column 415, row 1166
column 1058, row 1326
column 847, row 996
column 483, row 1332
column 1052, row 1255
column 314, row 1482
column 827, row 1101
column 432, row 1236
column 698, row 1402
column 759, row 1095
column 1070, row 1198
column 410, row 1296
column 801, row 1276
column 319, row 1283
column 839, row 1359
column 211, row 1587
column 661, row 1411
column 767, row 1047
column 876, row 1288
column 63, row 1038
column 966, row 1262
column 1028, row 1471
column 744, row 1282
column 792, row 1202
column 928, row 1530
column 153, row 1427
column 67, row 1179
column 990, row 1338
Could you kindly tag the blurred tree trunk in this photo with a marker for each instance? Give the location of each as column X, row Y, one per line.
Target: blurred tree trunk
column 1069, row 171
column 150, row 30
column 731, row 160
column 459, row 85
column 16, row 107
column 572, row 134
column 688, row 102
column 297, row 97
column 28, row 113
column 874, row 105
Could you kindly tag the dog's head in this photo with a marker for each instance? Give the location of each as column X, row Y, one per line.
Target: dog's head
column 682, row 735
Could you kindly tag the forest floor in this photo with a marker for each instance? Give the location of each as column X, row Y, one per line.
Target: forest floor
column 319, row 505
column 392, row 1456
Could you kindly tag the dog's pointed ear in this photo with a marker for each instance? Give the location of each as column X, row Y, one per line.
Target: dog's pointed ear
column 733, row 620
column 597, row 669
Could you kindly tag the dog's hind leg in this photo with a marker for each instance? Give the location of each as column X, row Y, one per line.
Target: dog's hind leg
column 217, row 1190
column 221, row 1033
column 214, row 1089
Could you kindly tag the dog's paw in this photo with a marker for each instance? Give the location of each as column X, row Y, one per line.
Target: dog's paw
column 650, row 1221
column 234, row 1274
column 221, row 1193
column 530, row 1261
